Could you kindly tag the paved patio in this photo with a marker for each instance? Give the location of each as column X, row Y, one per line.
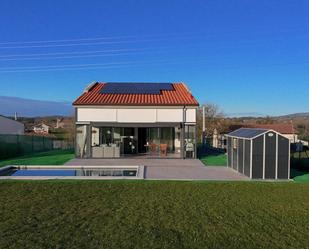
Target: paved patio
column 168, row 168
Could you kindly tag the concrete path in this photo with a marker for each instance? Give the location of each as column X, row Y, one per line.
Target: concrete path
column 168, row 168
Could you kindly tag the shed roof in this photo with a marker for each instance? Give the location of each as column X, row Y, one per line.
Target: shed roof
column 247, row 133
column 177, row 95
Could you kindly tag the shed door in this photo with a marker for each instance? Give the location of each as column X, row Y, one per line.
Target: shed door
column 270, row 155
column 247, row 157
column 241, row 156
column 283, row 157
column 257, row 158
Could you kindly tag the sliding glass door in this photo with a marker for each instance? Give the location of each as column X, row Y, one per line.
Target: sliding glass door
column 161, row 141
column 115, row 142
column 153, row 142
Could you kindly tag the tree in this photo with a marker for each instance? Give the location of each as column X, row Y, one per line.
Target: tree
column 214, row 119
column 266, row 120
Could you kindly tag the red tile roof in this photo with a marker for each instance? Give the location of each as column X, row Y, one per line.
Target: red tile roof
column 179, row 96
column 281, row 128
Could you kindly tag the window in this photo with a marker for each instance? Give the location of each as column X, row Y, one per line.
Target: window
column 106, row 135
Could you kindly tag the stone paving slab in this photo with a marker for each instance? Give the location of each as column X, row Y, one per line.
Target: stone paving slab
column 176, row 169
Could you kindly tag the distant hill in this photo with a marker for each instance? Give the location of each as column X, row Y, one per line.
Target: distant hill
column 245, row 114
column 33, row 108
column 296, row 115
column 253, row 115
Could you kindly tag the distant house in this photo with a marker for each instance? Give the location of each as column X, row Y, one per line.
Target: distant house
column 11, row 127
column 41, row 129
column 287, row 130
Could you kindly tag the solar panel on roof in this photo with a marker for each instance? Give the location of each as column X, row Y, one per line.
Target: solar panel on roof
column 136, row 88
column 247, row 132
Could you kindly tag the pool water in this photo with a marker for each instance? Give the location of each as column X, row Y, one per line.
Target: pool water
column 72, row 172
column 42, row 172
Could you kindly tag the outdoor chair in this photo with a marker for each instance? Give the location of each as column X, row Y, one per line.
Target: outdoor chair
column 163, row 149
column 152, row 149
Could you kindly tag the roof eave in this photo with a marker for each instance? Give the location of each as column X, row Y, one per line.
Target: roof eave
column 129, row 104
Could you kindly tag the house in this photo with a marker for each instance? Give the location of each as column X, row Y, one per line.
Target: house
column 41, row 129
column 285, row 129
column 147, row 120
column 11, row 127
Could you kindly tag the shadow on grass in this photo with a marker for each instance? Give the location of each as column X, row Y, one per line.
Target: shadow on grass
column 300, row 169
column 211, row 156
column 203, row 151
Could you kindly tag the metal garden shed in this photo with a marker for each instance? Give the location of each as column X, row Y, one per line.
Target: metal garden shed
column 259, row 153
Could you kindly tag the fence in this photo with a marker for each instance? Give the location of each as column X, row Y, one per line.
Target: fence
column 19, row 145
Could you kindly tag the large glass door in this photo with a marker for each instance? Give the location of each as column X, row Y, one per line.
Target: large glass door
column 129, row 141
column 167, row 141
column 114, row 142
column 153, row 142
column 160, row 142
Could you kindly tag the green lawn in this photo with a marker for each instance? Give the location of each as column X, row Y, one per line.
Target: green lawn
column 55, row 157
column 215, row 160
column 300, row 167
column 153, row 214
column 302, row 178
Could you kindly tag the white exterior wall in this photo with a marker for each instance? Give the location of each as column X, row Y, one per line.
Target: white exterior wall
column 191, row 115
column 96, row 115
column 292, row 137
column 166, row 115
column 135, row 114
column 9, row 126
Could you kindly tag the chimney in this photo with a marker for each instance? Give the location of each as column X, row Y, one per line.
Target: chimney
column 15, row 116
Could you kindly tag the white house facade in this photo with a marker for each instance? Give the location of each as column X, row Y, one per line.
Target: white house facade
column 41, row 128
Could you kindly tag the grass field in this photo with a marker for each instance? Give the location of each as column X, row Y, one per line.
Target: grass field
column 300, row 167
column 55, row 157
column 145, row 214
column 300, row 175
column 215, row 160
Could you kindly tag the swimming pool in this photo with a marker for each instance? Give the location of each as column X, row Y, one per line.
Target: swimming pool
column 72, row 172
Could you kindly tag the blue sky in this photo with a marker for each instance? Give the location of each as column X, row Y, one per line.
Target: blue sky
column 246, row 56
